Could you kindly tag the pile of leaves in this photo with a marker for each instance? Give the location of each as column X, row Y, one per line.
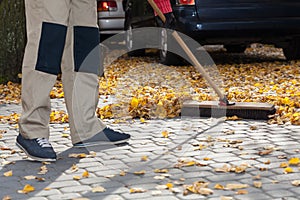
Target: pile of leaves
column 145, row 89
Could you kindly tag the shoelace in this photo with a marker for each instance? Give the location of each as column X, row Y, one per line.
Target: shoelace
column 43, row 142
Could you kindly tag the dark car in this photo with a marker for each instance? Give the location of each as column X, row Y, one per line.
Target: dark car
column 233, row 23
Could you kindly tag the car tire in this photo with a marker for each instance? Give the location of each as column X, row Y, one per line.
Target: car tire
column 167, row 57
column 235, row 48
column 292, row 50
column 129, row 41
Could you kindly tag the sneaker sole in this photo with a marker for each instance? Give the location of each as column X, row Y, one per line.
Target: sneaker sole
column 33, row 157
column 89, row 144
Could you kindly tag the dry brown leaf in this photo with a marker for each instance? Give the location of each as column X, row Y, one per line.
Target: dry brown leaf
column 7, row 197
column 265, row 152
column 43, row 169
column 257, row 184
column 233, row 186
column 142, row 172
column 161, row 170
column 242, row 192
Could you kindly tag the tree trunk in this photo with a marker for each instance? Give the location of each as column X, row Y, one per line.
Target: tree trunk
column 12, row 39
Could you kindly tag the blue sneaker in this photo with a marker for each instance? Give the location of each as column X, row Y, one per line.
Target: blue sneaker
column 38, row 149
column 105, row 137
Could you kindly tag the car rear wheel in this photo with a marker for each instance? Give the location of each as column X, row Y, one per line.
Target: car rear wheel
column 292, row 49
column 167, row 57
column 130, row 42
column 235, row 48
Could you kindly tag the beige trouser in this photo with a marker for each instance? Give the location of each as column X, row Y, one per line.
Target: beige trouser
column 60, row 36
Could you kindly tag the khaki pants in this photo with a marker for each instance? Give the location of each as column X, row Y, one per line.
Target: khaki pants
column 61, row 36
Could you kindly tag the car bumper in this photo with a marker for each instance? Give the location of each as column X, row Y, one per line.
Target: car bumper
column 111, row 25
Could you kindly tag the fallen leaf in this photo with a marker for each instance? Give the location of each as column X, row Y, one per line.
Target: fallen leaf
column 98, row 189
column 294, row 161
column 27, row 188
column 161, row 170
column 219, row 187
column 29, row 177
column 296, row 183
column 7, row 197
column 233, row 186
column 144, row 158
column 283, row 165
column 241, row 192
column 288, row 170
column 79, row 155
column 142, row 172
column 76, row 178
column 165, row 134
column 226, row 198
column 8, row 173
column 122, row 173
column 265, row 152
column 43, row 169
column 85, row 174
column 137, row 190
column 206, row 159
column 169, row 185
column 257, row 184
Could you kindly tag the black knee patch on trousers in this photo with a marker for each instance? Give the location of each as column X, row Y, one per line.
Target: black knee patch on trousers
column 51, row 48
column 86, row 49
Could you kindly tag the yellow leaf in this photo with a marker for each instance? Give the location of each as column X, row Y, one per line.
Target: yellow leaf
column 65, row 135
column 98, row 189
column 142, row 120
column 85, row 174
column 165, row 134
column 47, row 189
column 288, row 170
column 27, row 188
column 294, row 161
column 169, row 185
column 283, row 165
column 134, row 102
column 76, row 178
column 219, row 187
column 144, row 158
column 9, row 173
column 206, row 159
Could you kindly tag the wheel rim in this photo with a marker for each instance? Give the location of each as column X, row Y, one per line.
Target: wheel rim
column 164, row 43
column 129, row 42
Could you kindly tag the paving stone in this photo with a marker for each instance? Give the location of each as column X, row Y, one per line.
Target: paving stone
column 74, row 189
column 66, row 196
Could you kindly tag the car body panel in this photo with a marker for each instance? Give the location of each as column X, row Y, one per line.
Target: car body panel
column 112, row 22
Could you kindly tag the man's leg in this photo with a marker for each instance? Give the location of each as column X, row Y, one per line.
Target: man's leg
column 80, row 70
column 46, row 32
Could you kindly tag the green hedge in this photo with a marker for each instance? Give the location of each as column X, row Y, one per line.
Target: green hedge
column 12, row 39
